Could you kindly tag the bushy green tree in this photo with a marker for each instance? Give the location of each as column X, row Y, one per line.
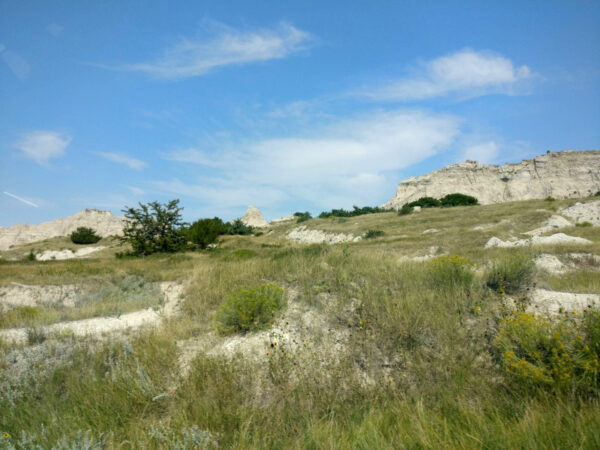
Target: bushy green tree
column 458, row 200
column 204, row 232
column 426, row 202
column 238, row 227
column 154, row 228
column 84, row 235
column 302, row 216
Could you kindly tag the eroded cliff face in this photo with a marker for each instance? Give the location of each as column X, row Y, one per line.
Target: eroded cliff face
column 103, row 222
column 566, row 174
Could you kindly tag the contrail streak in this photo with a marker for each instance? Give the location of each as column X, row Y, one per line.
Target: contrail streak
column 27, row 202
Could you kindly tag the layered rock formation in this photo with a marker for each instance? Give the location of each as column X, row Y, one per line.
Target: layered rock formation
column 566, row 174
column 254, row 218
column 103, row 222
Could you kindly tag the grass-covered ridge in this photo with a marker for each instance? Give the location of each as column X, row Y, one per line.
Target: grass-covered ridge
column 401, row 353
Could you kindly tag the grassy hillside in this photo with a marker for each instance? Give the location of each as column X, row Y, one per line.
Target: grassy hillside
column 373, row 349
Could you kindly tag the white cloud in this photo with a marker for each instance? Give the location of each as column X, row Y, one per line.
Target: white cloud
column 466, row 72
column 17, row 64
column 42, row 146
column 132, row 163
column 347, row 162
column 21, row 199
column 136, row 190
column 486, row 152
column 190, row 58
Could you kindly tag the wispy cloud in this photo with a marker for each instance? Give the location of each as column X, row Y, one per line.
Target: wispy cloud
column 120, row 158
column 193, row 57
column 22, row 200
column 15, row 62
column 467, row 72
column 347, row 162
column 42, row 146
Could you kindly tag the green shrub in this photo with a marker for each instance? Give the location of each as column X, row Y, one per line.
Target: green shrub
column 371, row 234
column 406, row 209
column 204, row 232
column 238, row 227
column 549, row 199
column 597, row 194
column 451, row 271
column 561, row 353
column 249, row 309
column 84, row 235
column 302, row 216
column 583, row 224
column 154, row 228
column 356, row 211
column 426, row 202
column 458, row 200
column 30, row 256
column 510, row 273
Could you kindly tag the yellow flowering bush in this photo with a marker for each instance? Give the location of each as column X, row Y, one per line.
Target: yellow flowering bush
column 560, row 353
column 249, row 309
column 451, row 271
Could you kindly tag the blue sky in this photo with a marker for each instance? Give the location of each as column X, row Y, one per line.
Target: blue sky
column 285, row 105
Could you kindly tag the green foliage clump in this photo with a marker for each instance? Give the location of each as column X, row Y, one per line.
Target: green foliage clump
column 405, row 210
column 510, row 273
column 204, row 232
column 458, row 200
column 356, row 211
column 84, row 235
column 238, row 227
column 597, row 194
column 302, row 216
column 451, row 271
column 30, row 256
column 371, row 234
column 249, row 309
column 426, row 202
column 154, row 228
column 561, row 354
column 549, row 199
column 583, row 224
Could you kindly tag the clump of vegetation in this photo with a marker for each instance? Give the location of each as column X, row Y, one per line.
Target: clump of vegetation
column 238, row 227
column 372, row 234
column 249, row 309
column 583, row 224
column 356, row 211
column 458, row 200
column 35, row 335
column 204, row 232
column 597, row 194
column 549, row 199
column 406, row 209
column 154, row 228
column 451, row 271
column 561, row 354
column 510, row 273
column 30, row 256
column 426, row 202
column 302, row 216
column 84, row 235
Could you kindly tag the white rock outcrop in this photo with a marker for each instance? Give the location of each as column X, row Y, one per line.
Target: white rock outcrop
column 584, row 212
column 550, row 302
column 554, row 223
column 303, row 235
column 49, row 255
column 103, row 222
column 284, row 219
column 558, row 238
column 254, row 218
column 566, row 174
